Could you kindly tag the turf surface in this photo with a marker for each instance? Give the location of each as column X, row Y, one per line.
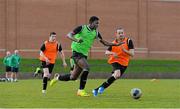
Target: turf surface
column 101, row 66
column 163, row 93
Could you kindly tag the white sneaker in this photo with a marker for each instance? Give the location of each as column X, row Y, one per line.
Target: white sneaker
column 11, row 79
column 15, row 80
column 43, row 91
column 56, row 76
column 8, row 79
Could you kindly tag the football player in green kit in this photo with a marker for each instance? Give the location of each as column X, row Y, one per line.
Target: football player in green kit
column 82, row 40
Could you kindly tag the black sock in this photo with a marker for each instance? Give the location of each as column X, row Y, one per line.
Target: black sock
column 65, row 77
column 107, row 83
column 45, row 83
column 83, row 79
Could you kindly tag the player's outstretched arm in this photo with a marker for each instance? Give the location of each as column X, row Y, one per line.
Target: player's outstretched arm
column 106, row 43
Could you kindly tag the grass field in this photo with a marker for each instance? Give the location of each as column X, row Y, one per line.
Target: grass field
column 164, row 93
column 101, row 66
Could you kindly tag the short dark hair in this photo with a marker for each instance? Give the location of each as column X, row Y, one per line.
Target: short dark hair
column 93, row 18
column 119, row 28
column 52, row 33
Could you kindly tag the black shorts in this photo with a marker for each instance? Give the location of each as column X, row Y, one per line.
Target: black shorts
column 15, row 70
column 76, row 56
column 117, row 66
column 8, row 69
column 49, row 66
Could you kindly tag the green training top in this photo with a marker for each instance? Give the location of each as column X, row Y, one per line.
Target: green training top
column 88, row 37
column 15, row 60
column 7, row 61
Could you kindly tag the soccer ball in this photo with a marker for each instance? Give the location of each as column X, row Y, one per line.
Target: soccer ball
column 136, row 93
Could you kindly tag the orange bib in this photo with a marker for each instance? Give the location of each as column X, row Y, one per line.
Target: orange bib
column 50, row 51
column 123, row 58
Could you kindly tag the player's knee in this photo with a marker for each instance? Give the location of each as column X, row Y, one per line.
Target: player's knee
column 86, row 69
column 49, row 76
column 46, row 75
column 117, row 77
column 73, row 77
column 117, row 74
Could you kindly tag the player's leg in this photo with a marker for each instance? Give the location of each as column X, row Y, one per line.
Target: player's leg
column 118, row 71
column 12, row 74
column 73, row 74
column 6, row 76
column 37, row 71
column 107, row 83
column 15, row 77
column 45, row 76
column 15, row 74
column 45, row 79
column 50, row 66
column 66, row 77
column 110, row 80
column 8, row 73
column 85, row 71
column 12, row 77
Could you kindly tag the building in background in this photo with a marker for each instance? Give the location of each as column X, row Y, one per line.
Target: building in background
column 152, row 24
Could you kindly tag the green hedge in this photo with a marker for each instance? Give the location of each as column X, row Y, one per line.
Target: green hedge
column 135, row 66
